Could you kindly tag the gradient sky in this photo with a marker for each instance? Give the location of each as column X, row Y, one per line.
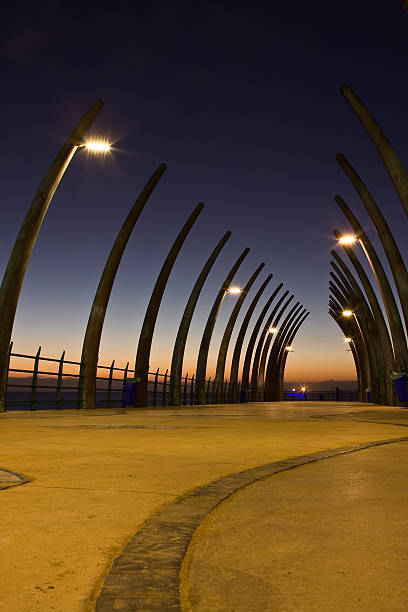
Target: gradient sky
column 242, row 102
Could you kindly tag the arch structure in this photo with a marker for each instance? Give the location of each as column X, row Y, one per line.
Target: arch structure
column 264, row 359
column 378, row 343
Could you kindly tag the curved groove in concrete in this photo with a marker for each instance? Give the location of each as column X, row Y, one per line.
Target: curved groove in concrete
column 145, row 576
column 11, row 479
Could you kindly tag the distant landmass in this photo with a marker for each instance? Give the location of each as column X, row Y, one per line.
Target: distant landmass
column 324, row 385
column 72, row 382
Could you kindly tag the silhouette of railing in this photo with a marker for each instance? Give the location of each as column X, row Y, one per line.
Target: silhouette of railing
column 25, row 389
column 28, row 389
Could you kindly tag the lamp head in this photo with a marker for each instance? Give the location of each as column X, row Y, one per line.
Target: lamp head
column 348, row 239
column 347, row 313
column 97, row 146
column 234, row 290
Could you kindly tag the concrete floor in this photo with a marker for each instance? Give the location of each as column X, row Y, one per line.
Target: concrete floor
column 96, row 477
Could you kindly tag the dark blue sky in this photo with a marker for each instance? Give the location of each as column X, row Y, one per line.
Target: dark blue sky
column 242, row 102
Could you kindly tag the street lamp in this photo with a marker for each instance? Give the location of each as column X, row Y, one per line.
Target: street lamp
column 24, row 244
column 348, row 239
column 289, row 348
column 96, row 146
column 272, row 330
column 347, row 313
column 234, row 290
column 348, row 340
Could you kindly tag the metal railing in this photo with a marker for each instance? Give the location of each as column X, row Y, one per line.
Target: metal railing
column 29, row 392
column 27, row 388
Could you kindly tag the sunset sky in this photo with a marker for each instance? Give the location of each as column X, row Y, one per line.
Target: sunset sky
column 242, row 102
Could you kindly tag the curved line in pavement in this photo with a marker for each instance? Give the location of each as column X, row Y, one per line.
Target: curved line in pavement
column 145, row 576
column 11, row 479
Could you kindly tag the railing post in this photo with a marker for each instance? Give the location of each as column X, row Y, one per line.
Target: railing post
column 155, row 387
column 185, row 390
column 7, row 374
column 192, row 391
column 109, row 398
column 59, row 382
column 164, row 388
column 125, row 373
column 208, row 391
column 33, row 401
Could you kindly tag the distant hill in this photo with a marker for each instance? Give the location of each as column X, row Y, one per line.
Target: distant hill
column 68, row 381
column 324, row 385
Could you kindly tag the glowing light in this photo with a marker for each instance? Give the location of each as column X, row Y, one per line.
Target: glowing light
column 97, row 146
column 272, row 330
column 234, row 290
column 348, row 239
column 293, row 389
column 303, row 389
column 348, row 340
column 347, row 313
column 289, row 348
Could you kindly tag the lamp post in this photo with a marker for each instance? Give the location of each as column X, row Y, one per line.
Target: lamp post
column 258, row 366
column 233, row 388
column 393, row 316
column 266, row 362
column 380, row 337
column 20, row 256
column 92, row 338
column 397, row 265
column 364, row 323
column 181, row 338
column 358, row 351
column 391, row 161
column 222, row 353
column 251, row 344
column 202, row 358
column 152, row 310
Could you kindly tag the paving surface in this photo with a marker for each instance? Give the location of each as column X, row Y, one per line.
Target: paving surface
column 95, row 478
column 327, row 536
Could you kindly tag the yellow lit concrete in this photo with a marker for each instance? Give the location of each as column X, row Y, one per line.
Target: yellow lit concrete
column 97, row 476
column 329, row 536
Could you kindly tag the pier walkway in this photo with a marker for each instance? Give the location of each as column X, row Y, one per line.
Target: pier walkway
column 284, row 506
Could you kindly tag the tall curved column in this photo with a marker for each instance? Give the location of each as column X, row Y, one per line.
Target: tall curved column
column 351, row 329
column 354, row 331
column 181, row 338
column 385, row 149
column 273, row 355
column 372, row 300
column 263, row 338
column 363, row 322
column 222, row 353
column 261, row 365
column 200, row 397
column 272, row 380
column 367, row 323
column 233, row 388
column 146, row 334
column 394, row 319
column 383, row 341
column 20, row 256
column 252, row 340
column 356, row 356
column 92, row 339
column 283, row 355
column 398, row 269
